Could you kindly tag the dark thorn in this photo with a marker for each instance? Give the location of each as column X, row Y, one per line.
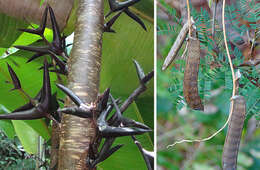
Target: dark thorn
column 111, row 151
column 46, row 88
column 71, row 95
column 29, row 105
column 76, row 111
column 30, row 114
column 117, row 6
column 15, row 80
column 54, row 107
column 42, row 109
column 37, row 55
column 103, row 100
column 57, row 40
column 63, row 41
column 148, row 156
column 105, row 155
column 139, row 71
column 148, row 77
column 108, row 25
column 119, row 119
column 109, row 131
column 59, row 62
column 134, row 17
column 132, row 123
column 118, row 115
column 24, row 107
column 40, row 30
column 44, row 49
column 32, row 31
column 106, row 146
column 101, row 121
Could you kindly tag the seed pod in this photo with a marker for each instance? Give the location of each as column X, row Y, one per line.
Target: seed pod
column 235, row 127
column 190, row 82
column 176, row 46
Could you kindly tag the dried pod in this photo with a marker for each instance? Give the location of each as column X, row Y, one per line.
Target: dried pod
column 176, row 46
column 190, row 82
column 235, row 127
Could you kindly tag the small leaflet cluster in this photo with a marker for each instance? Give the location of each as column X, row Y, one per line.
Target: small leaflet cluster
column 45, row 104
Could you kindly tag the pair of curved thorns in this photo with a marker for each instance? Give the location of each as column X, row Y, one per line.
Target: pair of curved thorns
column 56, row 48
column 105, row 152
column 118, row 125
column 121, row 127
column 130, row 127
column 42, row 106
column 121, row 7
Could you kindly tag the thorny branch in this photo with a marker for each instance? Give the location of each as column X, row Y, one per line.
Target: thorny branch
column 46, row 105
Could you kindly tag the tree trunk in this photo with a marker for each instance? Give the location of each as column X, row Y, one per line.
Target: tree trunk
column 84, row 68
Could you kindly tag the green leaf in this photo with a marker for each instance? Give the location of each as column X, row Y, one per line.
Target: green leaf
column 27, row 136
column 41, row 2
column 129, row 42
column 31, row 81
column 6, row 125
column 9, row 30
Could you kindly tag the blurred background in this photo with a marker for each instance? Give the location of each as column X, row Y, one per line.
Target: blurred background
column 175, row 120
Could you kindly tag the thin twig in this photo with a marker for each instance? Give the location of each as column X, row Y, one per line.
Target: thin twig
column 139, row 90
column 185, row 50
column 189, row 18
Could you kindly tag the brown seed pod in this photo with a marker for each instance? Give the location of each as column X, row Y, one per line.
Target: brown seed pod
column 235, row 127
column 190, row 82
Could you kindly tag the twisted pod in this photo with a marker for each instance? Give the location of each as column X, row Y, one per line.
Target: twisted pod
column 235, row 127
column 190, row 82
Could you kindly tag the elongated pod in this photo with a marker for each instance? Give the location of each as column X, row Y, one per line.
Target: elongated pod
column 176, row 46
column 190, row 82
column 235, row 127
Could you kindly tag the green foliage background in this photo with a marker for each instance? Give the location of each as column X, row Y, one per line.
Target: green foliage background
column 176, row 121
